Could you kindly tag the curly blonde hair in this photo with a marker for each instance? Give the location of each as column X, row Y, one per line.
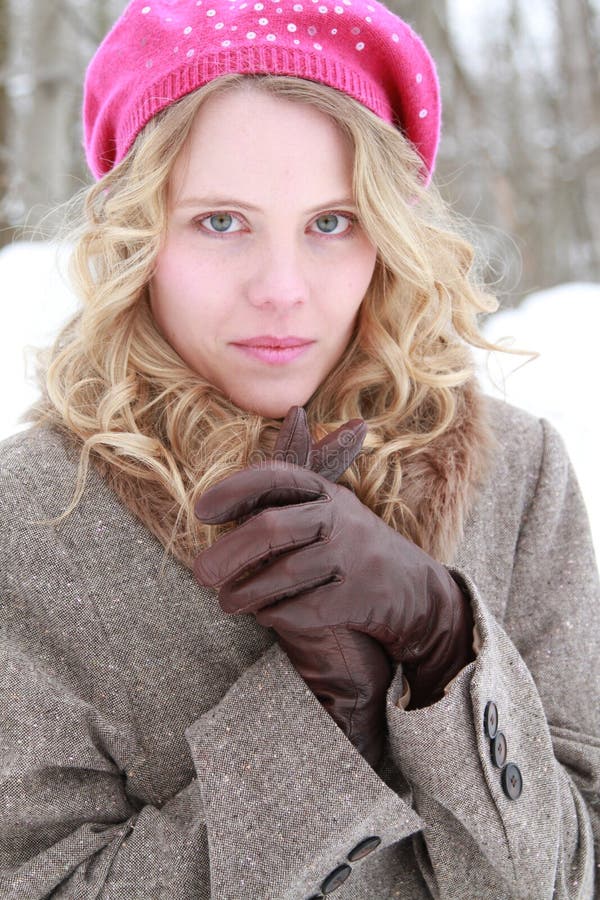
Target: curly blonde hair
column 160, row 432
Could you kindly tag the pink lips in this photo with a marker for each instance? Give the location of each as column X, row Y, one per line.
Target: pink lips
column 274, row 350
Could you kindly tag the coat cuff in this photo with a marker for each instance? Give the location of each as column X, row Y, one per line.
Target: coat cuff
column 286, row 795
column 445, row 754
column 403, row 700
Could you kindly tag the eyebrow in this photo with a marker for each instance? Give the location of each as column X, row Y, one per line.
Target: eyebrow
column 232, row 201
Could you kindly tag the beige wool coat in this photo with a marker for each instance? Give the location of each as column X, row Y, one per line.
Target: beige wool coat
column 153, row 747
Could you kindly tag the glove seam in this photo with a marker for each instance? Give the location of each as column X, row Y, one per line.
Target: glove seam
column 332, row 628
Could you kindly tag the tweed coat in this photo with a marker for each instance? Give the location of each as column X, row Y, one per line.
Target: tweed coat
column 153, row 747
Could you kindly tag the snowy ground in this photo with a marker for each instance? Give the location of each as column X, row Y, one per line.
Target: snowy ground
column 560, row 324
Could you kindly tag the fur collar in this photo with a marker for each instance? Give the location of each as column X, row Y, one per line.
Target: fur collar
column 440, row 481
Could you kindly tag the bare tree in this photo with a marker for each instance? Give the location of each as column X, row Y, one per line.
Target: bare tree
column 44, row 66
column 578, row 145
column 5, row 229
column 521, row 147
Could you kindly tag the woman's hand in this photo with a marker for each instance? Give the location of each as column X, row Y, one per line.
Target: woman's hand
column 337, row 584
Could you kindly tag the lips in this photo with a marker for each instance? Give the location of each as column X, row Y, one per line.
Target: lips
column 270, row 341
column 272, row 350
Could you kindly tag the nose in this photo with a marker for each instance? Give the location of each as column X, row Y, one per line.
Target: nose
column 278, row 280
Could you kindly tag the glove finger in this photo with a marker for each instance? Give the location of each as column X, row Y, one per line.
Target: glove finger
column 286, row 576
column 273, row 483
column 293, row 440
column 257, row 542
column 331, row 456
column 334, row 453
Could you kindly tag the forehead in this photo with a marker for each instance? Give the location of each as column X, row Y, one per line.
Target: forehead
column 250, row 137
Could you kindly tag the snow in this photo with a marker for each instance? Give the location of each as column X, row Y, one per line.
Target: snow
column 35, row 301
column 560, row 324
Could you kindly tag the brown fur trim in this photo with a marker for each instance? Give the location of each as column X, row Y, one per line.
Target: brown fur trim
column 440, row 482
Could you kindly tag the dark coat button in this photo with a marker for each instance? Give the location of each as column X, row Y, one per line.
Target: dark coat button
column 490, row 719
column 336, row 879
column 498, row 750
column 512, row 781
column 364, row 848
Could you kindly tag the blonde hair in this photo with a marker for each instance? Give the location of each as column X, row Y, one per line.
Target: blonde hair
column 162, row 433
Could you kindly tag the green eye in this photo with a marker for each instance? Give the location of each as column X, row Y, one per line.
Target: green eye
column 327, row 223
column 221, row 221
column 338, row 224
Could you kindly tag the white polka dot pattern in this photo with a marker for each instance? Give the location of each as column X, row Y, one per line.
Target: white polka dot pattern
column 357, row 46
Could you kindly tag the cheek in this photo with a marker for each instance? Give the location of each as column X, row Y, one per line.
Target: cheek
column 357, row 278
column 174, row 318
column 173, row 292
column 367, row 259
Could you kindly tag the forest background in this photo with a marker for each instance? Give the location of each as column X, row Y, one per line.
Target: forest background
column 520, row 154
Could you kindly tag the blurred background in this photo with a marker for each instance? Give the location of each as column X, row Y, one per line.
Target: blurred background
column 519, row 159
column 520, row 154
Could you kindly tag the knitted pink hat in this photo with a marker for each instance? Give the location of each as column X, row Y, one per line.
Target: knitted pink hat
column 160, row 50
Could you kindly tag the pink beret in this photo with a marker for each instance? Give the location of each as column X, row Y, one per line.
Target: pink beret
column 161, row 50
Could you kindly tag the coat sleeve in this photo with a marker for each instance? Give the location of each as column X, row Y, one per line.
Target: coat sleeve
column 266, row 814
column 539, row 665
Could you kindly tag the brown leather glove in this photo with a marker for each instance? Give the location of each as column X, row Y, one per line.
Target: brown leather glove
column 337, row 584
column 349, row 672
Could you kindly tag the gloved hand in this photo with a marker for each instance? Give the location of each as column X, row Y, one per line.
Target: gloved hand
column 337, row 584
column 349, row 672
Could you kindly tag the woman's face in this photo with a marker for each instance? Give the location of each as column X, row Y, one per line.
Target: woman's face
column 262, row 271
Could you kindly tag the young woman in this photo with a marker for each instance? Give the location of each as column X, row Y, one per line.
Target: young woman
column 288, row 607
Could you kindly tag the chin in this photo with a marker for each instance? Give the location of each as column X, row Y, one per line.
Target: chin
column 274, row 411
column 272, row 408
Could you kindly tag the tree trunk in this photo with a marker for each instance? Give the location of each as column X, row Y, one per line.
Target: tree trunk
column 6, row 232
